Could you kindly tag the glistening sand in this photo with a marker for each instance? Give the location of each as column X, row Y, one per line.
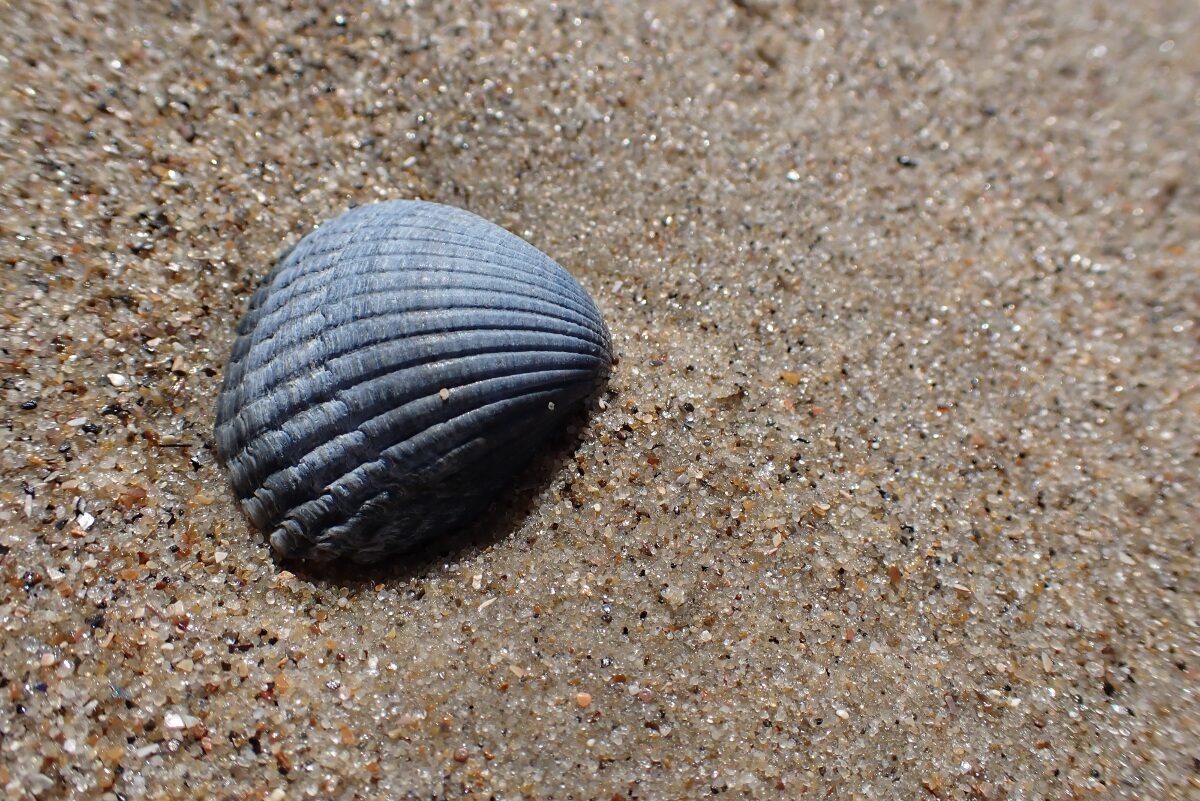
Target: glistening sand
column 895, row 492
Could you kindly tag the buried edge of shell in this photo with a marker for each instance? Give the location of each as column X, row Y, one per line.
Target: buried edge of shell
column 393, row 372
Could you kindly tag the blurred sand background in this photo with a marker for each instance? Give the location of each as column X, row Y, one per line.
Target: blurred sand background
column 895, row 491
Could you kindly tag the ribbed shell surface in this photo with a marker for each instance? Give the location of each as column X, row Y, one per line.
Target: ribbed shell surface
column 392, row 373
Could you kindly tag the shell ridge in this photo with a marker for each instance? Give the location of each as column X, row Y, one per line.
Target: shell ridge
column 419, row 295
column 341, row 492
column 482, row 417
column 344, row 492
column 430, row 300
column 508, row 243
column 297, row 263
column 483, row 319
column 356, row 363
column 261, row 381
column 339, row 232
column 288, row 361
column 286, row 401
column 481, row 488
column 459, row 263
column 298, row 367
column 470, row 223
column 451, row 276
column 391, row 369
column 263, row 451
column 418, row 408
column 272, row 379
column 285, row 441
column 342, row 236
column 231, row 394
column 524, row 255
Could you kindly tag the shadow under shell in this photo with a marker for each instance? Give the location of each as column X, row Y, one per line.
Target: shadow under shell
column 393, row 373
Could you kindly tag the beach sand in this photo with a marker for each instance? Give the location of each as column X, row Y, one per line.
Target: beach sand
column 893, row 493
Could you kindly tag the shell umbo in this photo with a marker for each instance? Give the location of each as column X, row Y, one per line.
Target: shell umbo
column 393, row 372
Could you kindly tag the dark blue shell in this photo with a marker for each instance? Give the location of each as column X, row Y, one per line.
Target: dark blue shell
column 393, row 372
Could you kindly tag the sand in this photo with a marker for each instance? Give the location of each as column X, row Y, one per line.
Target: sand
column 893, row 493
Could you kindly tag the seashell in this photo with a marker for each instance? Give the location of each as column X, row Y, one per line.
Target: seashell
column 391, row 375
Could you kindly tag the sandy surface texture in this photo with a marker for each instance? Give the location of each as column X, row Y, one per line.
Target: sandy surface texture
column 893, row 494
